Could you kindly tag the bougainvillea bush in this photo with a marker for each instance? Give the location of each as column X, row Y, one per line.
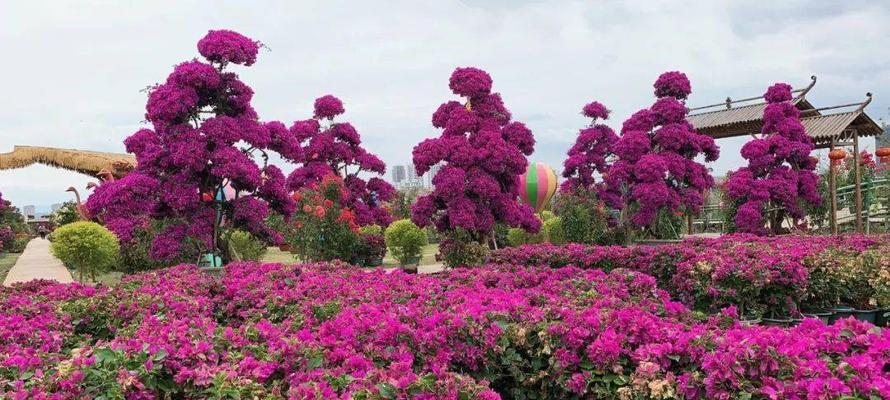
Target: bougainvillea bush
column 13, row 229
column 273, row 331
column 335, row 148
column 779, row 180
column 483, row 153
column 590, row 152
column 768, row 276
column 204, row 139
column 656, row 173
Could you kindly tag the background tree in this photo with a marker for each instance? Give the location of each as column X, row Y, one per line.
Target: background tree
column 656, row 174
column 13, row 229
column 483, row 154
column 205, row 137
column 65, row 214
column 403, row 200
column 780, row 179
column 335, row 148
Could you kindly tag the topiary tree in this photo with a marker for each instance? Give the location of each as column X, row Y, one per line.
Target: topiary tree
column 198, row 168
column 656, row 174
column 335, row 148
column 780, row 179
column 85, row 246
column 589, row 153
column 483, row 152
column 405, row 241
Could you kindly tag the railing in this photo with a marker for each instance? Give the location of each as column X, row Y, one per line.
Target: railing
column 875, row 203
column 875, row 208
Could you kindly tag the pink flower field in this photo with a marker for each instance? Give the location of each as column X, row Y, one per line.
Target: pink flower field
column 329, row 330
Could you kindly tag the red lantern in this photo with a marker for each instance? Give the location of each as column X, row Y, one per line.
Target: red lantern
column 206, row 197
column 883, row 152
column 837, row 154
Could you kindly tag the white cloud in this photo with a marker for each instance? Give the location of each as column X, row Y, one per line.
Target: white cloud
column 73, row 71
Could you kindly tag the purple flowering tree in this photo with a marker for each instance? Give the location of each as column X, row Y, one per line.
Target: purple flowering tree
column 483, row 153
column 335, row 148
column 780, row 179
column 656, row 173
column 589, row 153
column 198, row 173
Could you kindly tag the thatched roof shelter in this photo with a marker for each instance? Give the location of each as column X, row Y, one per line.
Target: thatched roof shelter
column 83, row 161
column 733, row 118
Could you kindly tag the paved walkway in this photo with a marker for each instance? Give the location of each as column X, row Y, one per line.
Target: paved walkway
column 36, row 262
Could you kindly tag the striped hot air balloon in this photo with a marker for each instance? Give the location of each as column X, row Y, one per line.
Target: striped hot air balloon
column 537, row 186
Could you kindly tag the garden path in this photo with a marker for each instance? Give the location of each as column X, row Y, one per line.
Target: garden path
column 36, row 262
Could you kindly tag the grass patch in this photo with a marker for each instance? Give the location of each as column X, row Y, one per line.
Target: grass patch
column 7, row 260
column 109, row 278
column 274, row 255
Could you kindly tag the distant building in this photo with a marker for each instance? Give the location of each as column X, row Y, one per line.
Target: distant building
column 428, row 177
column 30, row 212
column 55, row 207
column 398, row 174
column 405, row 177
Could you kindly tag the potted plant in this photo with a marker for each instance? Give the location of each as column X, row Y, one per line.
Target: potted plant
column 822, row 290
column 881, row 286
column 405, row 242
column 856, row 272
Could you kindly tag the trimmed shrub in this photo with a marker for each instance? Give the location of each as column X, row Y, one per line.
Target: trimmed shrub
column 86, row 246
column 245, row 247
column 405, row 240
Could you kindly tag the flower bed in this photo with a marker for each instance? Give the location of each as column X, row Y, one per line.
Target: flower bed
column 329, row 331
column 763, row 274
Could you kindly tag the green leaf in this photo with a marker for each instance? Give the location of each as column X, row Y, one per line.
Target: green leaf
column 387, row 391
column 315, row 362
column 104, row 356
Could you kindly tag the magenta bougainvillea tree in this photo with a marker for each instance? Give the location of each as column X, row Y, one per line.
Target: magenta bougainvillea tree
column 335, row 148
column 589, row 153
column 204, row 137
column 656, row 170
column 779, row 179
column 483, row 153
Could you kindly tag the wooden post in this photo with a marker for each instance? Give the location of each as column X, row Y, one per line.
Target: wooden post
column 689, row 223
column 832, row 192
column 858, row 181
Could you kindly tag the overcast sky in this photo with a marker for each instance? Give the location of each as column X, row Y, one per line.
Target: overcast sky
column 73, row 72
